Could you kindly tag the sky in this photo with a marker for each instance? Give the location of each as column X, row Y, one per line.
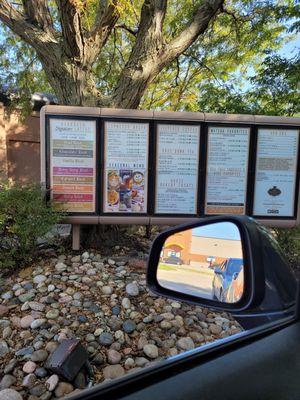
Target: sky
column 219, row 230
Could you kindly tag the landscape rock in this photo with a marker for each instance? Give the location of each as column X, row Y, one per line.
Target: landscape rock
column 151, row 350
column 10, row 394
column 113, row 371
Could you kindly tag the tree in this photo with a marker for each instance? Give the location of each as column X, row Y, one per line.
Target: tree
column 108, row 53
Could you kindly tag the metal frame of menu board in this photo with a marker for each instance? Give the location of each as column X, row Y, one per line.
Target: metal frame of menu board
column 296, row 191
column 153, row 119
column 249, row 162
column 148, row 167
column 97, row 182
column 198, row 191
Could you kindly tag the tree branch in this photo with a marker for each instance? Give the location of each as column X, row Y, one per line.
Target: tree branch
column 40, row 40
column 105, row 21
column 198, row 25
column 38, row 14
column 71, row 26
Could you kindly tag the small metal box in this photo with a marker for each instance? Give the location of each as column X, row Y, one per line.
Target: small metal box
column 67, row 359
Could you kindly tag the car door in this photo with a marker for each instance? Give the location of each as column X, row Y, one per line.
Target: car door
column 259, row 363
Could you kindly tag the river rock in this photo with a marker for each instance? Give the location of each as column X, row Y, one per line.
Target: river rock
column 132, row 289
column 52, row 382
column 150, row 350
column 7, row 381
column 113, row 371
column 63, row 388
column 10, row 394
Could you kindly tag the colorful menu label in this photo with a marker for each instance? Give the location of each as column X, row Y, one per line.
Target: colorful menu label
column 177, row 169
column 125, row 167
column 227, row 170
column 276, row 170
column 73, row 164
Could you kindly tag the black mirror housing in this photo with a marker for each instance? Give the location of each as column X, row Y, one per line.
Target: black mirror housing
column 263, row 273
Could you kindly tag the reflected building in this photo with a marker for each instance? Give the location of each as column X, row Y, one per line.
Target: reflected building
column 200, row 250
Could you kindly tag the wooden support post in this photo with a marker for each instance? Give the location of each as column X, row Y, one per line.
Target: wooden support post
column 76, row 237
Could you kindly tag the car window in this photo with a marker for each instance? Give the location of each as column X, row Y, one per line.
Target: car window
column 102, row 301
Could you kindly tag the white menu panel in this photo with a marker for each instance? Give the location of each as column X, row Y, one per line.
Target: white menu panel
column 126, row 165
column 177, row 169
column 276, row 170
column 227, row 170
column 73, row 164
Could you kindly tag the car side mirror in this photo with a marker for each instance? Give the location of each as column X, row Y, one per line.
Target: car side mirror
column 256, row 274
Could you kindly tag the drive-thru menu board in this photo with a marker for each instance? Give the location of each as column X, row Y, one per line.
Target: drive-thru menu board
column 125, row 167
column 73, row 164
column 177, row 169
column 227, row 170
column 276, row 166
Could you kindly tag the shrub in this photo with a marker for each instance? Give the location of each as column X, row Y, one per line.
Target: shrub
column 25, row 216
column 289, row 241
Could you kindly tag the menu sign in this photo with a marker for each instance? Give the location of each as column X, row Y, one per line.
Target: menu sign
column 177, row 169
column 227, row 169
column 126, row 164
column 72, row 164
column 276, row 170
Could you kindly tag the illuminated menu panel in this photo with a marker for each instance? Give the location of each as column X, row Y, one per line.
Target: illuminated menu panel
column 177, row 169
column 276, row 170
column 227, row 170
column 73, row 164
column 126, row 165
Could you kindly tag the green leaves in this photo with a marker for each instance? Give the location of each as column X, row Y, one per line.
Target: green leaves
column 24, row 217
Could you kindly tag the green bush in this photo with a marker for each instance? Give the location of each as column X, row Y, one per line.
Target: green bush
column 25, row 216
column 289, row 241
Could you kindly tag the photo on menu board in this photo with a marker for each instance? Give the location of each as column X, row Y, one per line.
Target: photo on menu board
column 125, row 191
column 126, row 162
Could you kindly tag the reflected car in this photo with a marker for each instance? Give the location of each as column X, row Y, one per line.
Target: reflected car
column 173, row 260
column 223, row 277
column 236, row 288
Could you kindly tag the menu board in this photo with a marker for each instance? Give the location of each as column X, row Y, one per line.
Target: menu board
column 227, row 170
column 177, row 169
column 276, row 170
column 72, row 164
column 125, row 167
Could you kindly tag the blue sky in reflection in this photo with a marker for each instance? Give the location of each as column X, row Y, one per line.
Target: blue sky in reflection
column 219, row 230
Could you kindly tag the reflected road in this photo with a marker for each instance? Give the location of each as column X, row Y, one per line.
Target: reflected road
column 196, row 281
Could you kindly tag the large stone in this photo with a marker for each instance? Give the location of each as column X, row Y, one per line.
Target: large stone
column 39, row 279
column 113, row 356
column 26, row 297
column 63, row 388
column 29, row 367
column 38, row 390
column 129, row 326
column 113, row 371
column 29, row 380
column 37, row 323
column 150, row 350
column 10, row 394
column 4, row 349
column 185, row 343
column 52, row 382
column 52, row 314
column 3, row 310
column 26, row 321
column 7, row 381
column 60, row 267
column 36, row 306
column 106, row 339
column 132, row 289
column 39, row 356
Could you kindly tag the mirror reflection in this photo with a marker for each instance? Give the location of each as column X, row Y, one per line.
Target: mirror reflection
column 206, row 262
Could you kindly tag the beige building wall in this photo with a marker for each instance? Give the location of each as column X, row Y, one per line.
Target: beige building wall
column 219, row 248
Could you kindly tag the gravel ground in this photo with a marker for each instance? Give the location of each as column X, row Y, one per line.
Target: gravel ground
column 103, row 302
